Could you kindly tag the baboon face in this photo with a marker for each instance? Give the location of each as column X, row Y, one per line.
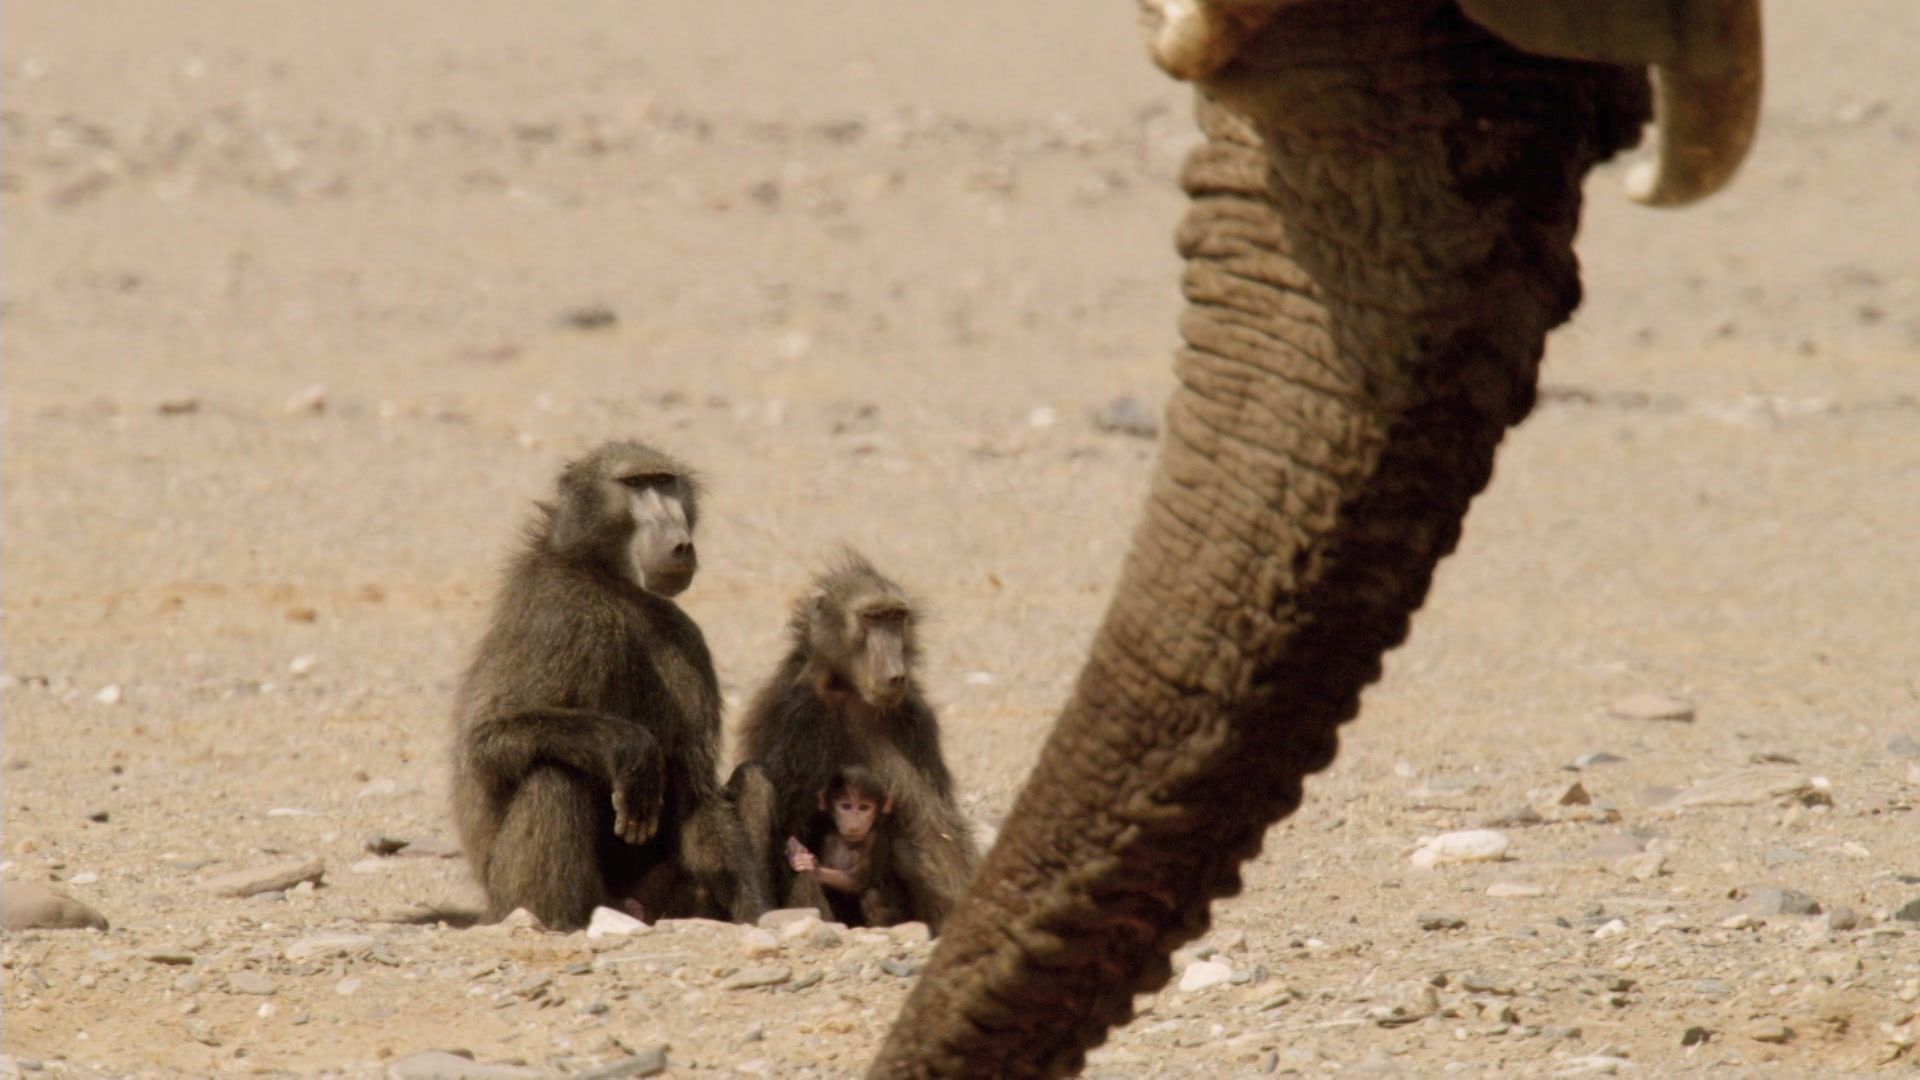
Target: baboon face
column 660, row 551
column 877, row 629
column 632, row 508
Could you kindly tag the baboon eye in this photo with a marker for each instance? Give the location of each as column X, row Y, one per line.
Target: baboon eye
column 648, row 481
column 884, row 616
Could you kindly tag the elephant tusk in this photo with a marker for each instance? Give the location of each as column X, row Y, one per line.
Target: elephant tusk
column 1706, row 105
column 1707, row 66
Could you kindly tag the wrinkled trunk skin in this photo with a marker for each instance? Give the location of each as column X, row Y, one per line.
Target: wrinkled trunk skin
column 1380, row 238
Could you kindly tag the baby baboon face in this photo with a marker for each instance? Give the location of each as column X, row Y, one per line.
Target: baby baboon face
column 854, row 814
column 661, row 548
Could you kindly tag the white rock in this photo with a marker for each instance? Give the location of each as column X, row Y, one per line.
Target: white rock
column 85, row 877
column 347, row 987
column 302, row 665
column 1469, row 845
column 322, row 945
column 1613, row 928
column 292, row 811
column 760, row 944
column 801, row 927
column 1202, row 974
column 607, row 921
column 1043, row 417
column 1516, row 888
column 108, row 695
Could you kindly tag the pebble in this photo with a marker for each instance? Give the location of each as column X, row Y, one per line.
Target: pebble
column 1471, row 845
column 1651, row 707
column 441, row 1065
column 1769, row 1031
column 1515, row 888
column 759, row 944
column 312, row 400
column 648, row 1062
column 383, row 845
column 780, row 917
column 900, row 969
column 1572, row 794
column 179, row 406
column 1904, row 746
column 108, row 695
column 1044, row 416
column 301, row 666
column 1748, row 787
column 767, row 975
column 1611, row 928
column 1694, row 1036
column 1765, row 902
column 347, row 987
column 1598, row 757
column 249, row 982
column 1127, row 415
column 326, row 945
column 168, row 955
column 1405, row 1003
column 799, row 928
column 275, row 878
column 1909, row 912
column 911, row 933
column 1842, row 917
column 26, row 906
column 1202, row 974
column 606, row 921
column 1645, row 866
column 1435, row 920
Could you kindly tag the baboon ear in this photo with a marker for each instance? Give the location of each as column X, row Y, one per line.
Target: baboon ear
column 887, row 807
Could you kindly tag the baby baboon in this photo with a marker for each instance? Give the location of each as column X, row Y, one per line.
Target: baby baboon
column 588, row 725
column 846, row 695
column 850, row 878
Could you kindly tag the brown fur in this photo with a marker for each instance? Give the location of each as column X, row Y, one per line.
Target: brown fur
column 826, row 707
column 588, row 688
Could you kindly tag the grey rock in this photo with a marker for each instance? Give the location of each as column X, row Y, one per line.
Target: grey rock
column 383, row 845
column 647, row 1062
column 1712, row 988
column 278, row 877
column 441, row 1065
column 1764, row 902
column 1437, row 920
column 26, row 906
column 249, row 982
column 767, row 975
column 899, row 968
column 1598, row 757
column 1127, row 415
column 1904, row 746
column 1694, row 1036
column 1842, row 917
column 1909, row 912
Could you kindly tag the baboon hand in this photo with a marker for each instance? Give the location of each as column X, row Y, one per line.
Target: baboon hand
column 636, row 802
column 799, row 857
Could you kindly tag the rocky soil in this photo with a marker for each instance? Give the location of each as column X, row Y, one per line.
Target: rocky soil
column 303, row 304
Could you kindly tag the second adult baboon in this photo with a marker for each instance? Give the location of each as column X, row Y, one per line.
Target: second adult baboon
column 846, row 694
column 588, row 724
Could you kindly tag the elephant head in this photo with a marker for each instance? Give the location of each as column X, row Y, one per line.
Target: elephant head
column 1379, row 240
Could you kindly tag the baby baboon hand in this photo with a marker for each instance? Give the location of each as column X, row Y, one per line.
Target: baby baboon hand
column 636, row 802
column 799, row 857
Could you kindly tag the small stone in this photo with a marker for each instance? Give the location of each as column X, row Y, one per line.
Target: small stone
column 1769, row 1030
column 1405, row 1003
column 1596, row 758
column 779, row 917
column 1474, row 982
column 321, row 946
column 1611, row 928
column 188, row 983
column 1645, row 866
column 1908, row 912
column 1472, row 845
column 199, row 1032
column 108, row 695
column 1126, row 415
column 1044, row 416
column 312, row 401
column 180, row 406
column 900, row 969
column 347, row 987
column 799, row 928
column 767, row 975
column 301, row 666
column 1695, row 1036
column 911, row 933
column 648, row 1062
column 249, row 982
column 275, row 878
column 1842, row 917
column 606, row 921
column 1651, row 707
column 1515, row 888
column 1434, row 920
column 98, row 817
column 520, row 919
column 27, row 906
column 759, row 944
column 169, row 955
column 1742, row 921
column 1202, row 974
column 1518, row 817
column 383, row 845
column 1750, row 786
column 1573, row 794
column 589, row 317
column 441, row 1065
column 1767, row 902
column 430, row 847
column 1904, row 746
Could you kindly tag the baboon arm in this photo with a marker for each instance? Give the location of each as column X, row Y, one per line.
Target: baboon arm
column 601, row 746
column 837, row 879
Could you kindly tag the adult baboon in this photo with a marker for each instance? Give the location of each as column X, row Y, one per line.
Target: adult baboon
column 846, row 694
column 588, row 725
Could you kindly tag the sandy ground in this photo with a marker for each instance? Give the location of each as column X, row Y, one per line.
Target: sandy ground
column 293, row 297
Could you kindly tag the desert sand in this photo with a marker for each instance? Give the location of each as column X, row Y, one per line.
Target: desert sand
column 303, row 305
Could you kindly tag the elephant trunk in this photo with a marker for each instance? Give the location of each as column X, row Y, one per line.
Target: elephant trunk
column 1379, row 240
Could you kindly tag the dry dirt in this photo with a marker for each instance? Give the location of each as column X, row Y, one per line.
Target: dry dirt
column 304, row 302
